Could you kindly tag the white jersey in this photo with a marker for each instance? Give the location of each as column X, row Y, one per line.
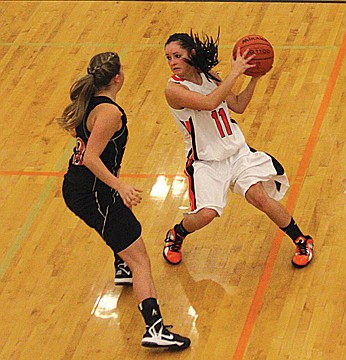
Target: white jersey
column 209, row 135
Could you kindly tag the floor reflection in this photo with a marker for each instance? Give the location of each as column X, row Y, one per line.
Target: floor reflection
column 105, row 306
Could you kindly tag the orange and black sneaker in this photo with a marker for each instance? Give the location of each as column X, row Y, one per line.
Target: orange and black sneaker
column 304, row 251
column 172, row 249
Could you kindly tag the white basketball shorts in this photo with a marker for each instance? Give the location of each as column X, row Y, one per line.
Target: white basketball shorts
column 210, row 181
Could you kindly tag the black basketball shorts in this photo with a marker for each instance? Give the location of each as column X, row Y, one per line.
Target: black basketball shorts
column 106, row 213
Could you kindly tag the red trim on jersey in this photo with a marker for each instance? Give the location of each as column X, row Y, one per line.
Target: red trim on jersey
column 188, row 126
column 177, row 78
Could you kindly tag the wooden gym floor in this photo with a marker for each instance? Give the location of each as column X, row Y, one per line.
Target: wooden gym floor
column 235, row 294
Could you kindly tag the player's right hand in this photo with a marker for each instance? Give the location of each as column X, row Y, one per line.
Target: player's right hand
column 130, row 194
column 241, row 63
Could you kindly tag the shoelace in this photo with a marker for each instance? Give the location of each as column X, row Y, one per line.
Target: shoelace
column 166, row 327
column 177, row 243
column 162, row 328
column 303, row 249
column 122, row 267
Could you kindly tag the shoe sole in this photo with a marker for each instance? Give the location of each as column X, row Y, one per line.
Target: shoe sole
column 123, row 282
column 167, row 347
column 300, row 266
column 172, row 263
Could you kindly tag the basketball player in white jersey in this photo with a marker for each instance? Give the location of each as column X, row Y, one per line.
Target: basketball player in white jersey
column 218, row 158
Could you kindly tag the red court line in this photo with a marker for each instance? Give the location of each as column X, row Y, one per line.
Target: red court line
column 292, row 199
column 62, row 173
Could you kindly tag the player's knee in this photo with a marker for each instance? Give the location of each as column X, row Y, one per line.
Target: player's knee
column 259, row 201
column 137, row 257
column 208, row 215
column 257, row 197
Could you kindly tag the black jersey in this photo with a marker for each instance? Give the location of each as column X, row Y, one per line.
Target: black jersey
column 80, row 175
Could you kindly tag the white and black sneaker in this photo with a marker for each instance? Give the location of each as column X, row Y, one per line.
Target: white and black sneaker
column 123, row 274
column 158, row 336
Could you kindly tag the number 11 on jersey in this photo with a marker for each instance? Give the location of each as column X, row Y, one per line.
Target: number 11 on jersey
column 218, row 115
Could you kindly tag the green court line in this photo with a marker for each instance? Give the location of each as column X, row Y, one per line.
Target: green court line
column 294, row 47
column 39, row 203
column 37, row 206
column 59, row 44
column 159, row 46
column 24, row 230
column 35, row 209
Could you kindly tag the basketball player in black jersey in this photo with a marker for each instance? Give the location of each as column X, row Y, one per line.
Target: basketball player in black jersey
column 93, row 191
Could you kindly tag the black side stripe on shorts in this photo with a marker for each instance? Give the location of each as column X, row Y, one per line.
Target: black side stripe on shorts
column 189, row 172
column 193, row 138
column 277, row 166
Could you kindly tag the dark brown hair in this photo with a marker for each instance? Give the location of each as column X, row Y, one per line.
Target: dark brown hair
column 203, row 52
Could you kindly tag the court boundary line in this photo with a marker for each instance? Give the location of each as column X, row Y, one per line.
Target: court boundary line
column 258, row 298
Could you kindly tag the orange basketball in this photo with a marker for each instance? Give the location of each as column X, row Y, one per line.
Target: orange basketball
column 264, row 53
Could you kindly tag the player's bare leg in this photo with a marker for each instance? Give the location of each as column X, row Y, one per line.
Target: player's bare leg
column 175, row 236
column 157, row 334
column 258, row 197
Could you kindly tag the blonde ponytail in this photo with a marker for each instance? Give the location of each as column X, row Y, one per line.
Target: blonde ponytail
column 102, row 68
column 80, row 94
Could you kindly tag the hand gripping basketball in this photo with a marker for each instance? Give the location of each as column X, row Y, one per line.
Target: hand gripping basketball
column 260, row 46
